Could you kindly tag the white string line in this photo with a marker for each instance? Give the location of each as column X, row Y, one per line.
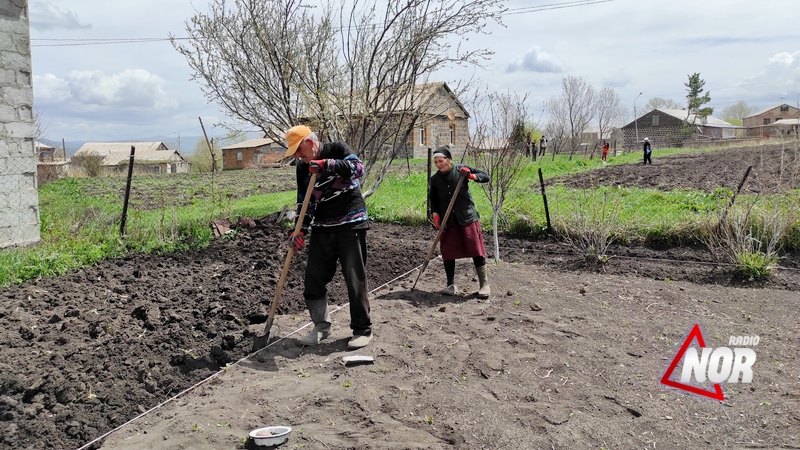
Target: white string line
column 221, row 371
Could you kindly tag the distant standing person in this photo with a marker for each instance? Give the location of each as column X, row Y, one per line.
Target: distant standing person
column 647, row 152
column 605, row 150
column 462, row 236
column 542, row 146
column 534, row 150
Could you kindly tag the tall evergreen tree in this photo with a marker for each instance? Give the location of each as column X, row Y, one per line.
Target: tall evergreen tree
column 695, row 99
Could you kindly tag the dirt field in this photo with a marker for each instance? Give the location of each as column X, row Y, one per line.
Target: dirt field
column 561, row 356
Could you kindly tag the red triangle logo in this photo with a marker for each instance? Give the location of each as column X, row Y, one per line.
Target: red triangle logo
column 695, row 333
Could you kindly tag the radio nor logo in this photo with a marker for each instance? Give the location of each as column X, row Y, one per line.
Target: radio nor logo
column 712, row 365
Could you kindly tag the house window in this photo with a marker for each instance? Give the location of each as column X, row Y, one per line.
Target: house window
column 766, row 121
column 238, row 156
column 452, row 134
column 784, row 108
column 655, row 121
column 422, row 135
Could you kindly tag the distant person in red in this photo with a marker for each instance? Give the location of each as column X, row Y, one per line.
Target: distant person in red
column 605, row 151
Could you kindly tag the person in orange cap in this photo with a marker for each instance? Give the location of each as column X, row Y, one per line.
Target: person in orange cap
column 337, row 219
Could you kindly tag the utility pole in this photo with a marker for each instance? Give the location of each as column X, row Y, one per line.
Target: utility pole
column 636, row 118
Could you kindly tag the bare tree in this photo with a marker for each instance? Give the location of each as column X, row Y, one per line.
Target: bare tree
column 203, row 159
column 738, row 111
column 41, row 124
column 557, row 134
column 610, row 111
column 573, row 110
column 349, row 68
column 497, row 148
column 656, row 103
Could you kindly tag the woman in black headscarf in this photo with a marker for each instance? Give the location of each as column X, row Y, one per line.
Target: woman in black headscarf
column 462, row 236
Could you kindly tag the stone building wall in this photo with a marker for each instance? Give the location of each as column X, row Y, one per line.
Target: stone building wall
column 19, row 196
column 666, row 132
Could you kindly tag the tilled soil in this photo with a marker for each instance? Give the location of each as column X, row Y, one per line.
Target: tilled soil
column 774, row 167
column 553, row 355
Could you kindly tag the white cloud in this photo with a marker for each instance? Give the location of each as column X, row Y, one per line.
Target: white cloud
column 781, row 66
column 536, row 60
column 618, row 79
column 47, row 16
column 94, row 90
column 779, row 77
column 131, row 88
column 48, row 88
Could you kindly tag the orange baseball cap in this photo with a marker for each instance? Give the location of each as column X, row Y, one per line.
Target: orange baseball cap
column 295, row 136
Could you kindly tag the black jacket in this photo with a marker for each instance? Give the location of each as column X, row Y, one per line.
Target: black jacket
column 336, row 202
column 442, row 187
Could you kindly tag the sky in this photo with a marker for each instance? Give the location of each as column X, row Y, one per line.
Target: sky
column 142, row 91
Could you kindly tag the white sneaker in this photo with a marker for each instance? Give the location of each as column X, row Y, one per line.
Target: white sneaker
column 357, row 342
column 450, row 290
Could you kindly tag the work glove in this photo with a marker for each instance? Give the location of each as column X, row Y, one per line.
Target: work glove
column 317, row 165
column 435, row 221
column 297, row 240
column 466, row 170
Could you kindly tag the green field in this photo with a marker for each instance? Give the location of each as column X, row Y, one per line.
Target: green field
column 80, row 217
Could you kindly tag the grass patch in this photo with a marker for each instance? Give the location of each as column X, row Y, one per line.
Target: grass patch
column 80, row 216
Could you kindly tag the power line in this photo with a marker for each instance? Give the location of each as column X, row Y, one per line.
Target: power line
column 101, row 41
column 552, row 6
column 107, row 41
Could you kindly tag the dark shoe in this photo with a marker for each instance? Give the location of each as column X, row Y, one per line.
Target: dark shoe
column 358, row 341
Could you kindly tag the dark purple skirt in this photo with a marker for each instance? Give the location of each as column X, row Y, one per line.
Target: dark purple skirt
column 462, row 241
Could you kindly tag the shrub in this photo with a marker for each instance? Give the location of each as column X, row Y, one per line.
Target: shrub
column 92, row 164
column 590, row 226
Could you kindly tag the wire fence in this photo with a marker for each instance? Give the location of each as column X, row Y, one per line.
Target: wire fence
column 19, row 204
column 627, row 202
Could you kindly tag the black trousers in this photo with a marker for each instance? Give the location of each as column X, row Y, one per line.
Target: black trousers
column 542, row 151
column 350, row 248
column 647, row 158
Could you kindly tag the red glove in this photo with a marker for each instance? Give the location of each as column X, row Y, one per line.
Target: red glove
column 465, row 170
column 473, row 177
column 435, row 221
column 297, row 240
column 317, row 165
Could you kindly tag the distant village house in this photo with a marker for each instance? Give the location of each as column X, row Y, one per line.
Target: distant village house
column 149, row 157
column 255, row 153
column 666, row 127
column 51, row 163
column 781, row 120
column 441, row 120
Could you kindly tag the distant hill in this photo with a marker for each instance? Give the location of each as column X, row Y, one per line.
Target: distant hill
column 71, row 146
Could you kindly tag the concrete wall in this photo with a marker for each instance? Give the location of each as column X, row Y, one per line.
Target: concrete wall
column 19, row 195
